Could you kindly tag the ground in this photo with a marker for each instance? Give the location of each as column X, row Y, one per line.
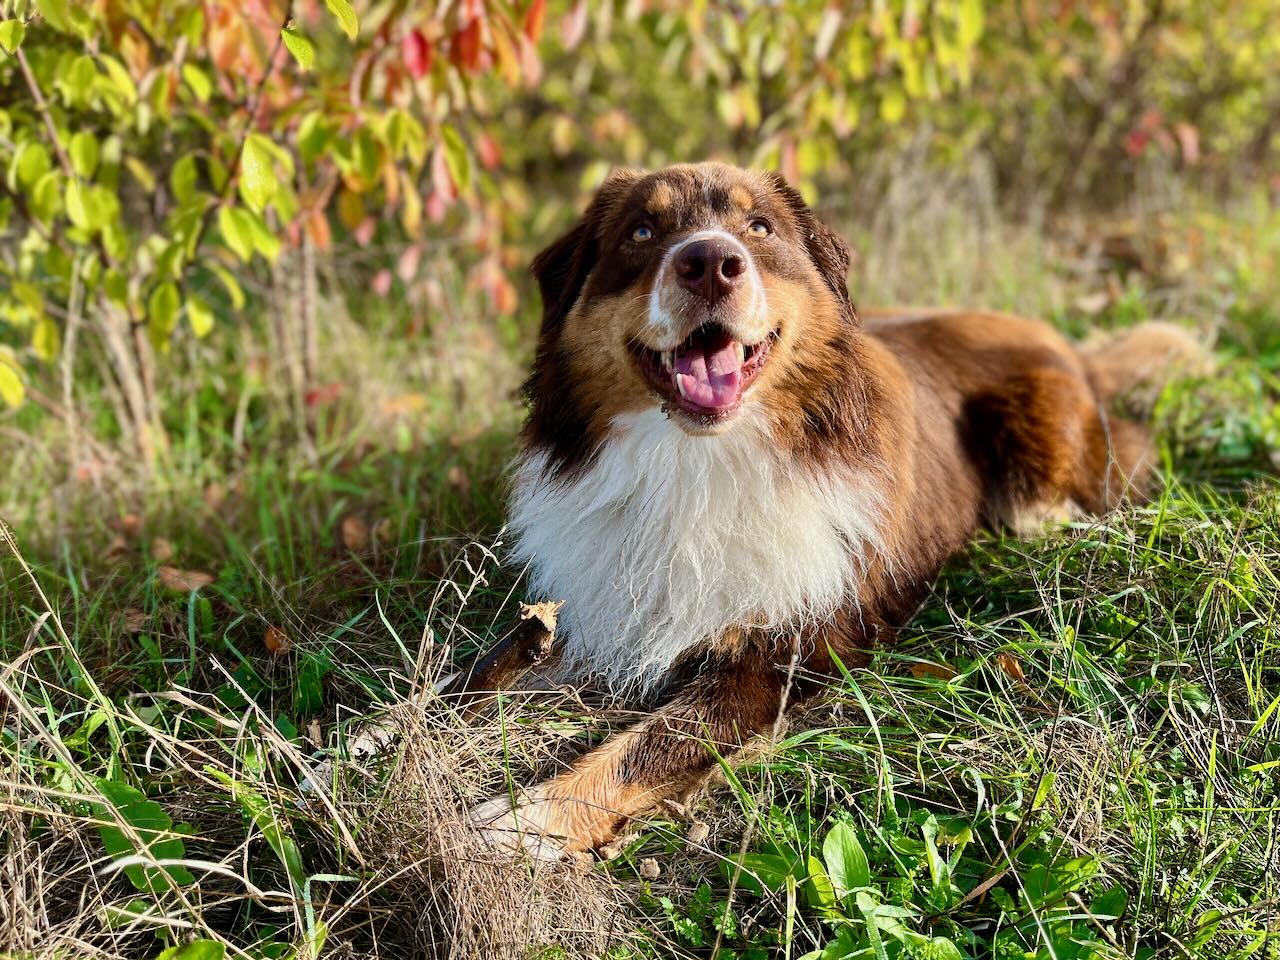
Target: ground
column 1073, row 751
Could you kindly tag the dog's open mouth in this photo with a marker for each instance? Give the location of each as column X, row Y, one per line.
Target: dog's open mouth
column 706, row 375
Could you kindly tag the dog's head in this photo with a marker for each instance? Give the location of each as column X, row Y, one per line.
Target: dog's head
column 701, row 289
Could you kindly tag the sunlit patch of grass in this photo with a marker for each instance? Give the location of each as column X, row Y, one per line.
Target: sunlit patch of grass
column 1072, row 752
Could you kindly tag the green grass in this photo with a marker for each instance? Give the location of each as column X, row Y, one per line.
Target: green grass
column 1073, row 752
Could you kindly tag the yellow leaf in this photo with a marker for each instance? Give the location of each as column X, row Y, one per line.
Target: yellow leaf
column 11, row 389
column 200, row 317
column 45, row 339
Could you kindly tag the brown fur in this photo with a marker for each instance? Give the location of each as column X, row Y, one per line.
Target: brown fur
column 968, row 420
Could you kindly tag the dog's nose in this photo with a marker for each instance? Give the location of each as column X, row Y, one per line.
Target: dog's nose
column 710, row 268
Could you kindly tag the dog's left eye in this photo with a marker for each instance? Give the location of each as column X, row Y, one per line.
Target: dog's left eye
column 642, row 234
column 759, row 228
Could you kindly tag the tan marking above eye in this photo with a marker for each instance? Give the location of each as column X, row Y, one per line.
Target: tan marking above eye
column 660, row 199
column 742, row 197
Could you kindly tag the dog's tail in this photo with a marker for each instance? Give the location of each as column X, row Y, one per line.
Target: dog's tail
column 1136, row 363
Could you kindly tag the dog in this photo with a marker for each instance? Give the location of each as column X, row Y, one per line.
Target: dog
column 737, row 484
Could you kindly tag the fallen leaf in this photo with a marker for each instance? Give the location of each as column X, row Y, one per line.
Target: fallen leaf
column 698, row 833
column 355, row 533
column 925, row 669
column 458, row 479
column 1093, row 303
column 129, row 525
column 133, row 620
column 649, row 869
column 182, row 581
column 116, row 548
column 215, row 494
column 1011, row 665
column 384, row 531
column 161, row 550
column 277, row 641
column 610, row 851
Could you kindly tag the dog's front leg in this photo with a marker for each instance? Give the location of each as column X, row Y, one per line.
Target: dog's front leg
column 662, row 757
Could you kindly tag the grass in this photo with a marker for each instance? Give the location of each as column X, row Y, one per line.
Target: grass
column 1073, row 752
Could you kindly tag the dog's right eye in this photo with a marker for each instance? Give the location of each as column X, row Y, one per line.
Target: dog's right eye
column 643, row 233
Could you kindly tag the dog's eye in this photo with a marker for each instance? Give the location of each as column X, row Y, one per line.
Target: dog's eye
column 642, row 234
column 759, row 228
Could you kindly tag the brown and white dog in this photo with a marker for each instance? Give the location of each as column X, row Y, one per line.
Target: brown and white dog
column 725, row 464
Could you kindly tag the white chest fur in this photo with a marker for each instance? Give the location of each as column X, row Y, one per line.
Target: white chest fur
column 667, row 540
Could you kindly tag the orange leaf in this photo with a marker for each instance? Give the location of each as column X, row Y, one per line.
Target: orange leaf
column 926, row 669
column 533, row 18
column 1011, row 665
column 318, row 232
column 277, row 641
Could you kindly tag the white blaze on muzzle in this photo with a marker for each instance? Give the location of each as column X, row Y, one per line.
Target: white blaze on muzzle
column 669, row 315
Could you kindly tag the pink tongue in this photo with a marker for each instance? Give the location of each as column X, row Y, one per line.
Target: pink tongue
column 709, row 374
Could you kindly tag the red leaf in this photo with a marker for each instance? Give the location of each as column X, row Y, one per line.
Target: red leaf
column 417, row 53
column 488, row 151
column 533, row 18
column 382, row 282
column 465, row 47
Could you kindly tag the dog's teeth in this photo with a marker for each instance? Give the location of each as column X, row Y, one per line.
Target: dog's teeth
column 680, row 386
column 668, row 358
column 742, row 353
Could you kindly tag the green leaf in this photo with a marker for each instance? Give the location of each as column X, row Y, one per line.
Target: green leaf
column 77, row 79
column 237, row 231
column 818, row 889
column 45, row 340
column 84, row 154
column 200, row 317
column 182, row 178
column 302, row 49
column 198, row 82
column 79, row 205
column 11, row 34
column 120, row 79
column 1110, row 904
column 32, row 162
column 313, row 135
column 257, row 172
column 231, row 284
column 345, row 15
column 55, row 12
column 153, row 828
column 259, row 810
column 46, row 199
column 845, row 859
column 162, row 313
column 195, row 950
column 264, row 241
column 12, row 391
column 456, row 157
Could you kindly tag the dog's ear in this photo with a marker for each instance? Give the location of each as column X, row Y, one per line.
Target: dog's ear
column 826, row 248
column 562, row 268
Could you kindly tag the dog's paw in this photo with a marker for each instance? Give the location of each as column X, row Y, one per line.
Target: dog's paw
column 530, row 827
